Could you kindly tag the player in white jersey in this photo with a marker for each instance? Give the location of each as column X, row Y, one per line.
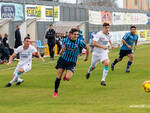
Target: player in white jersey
column 25, row 62
column 100, row 51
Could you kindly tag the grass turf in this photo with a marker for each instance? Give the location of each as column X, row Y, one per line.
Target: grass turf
column 79, row 95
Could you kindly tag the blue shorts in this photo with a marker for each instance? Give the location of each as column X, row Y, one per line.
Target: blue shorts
column 61, row 63
column 124, row 53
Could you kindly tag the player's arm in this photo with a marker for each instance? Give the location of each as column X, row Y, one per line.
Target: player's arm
column 135, row 45
column 126, row 44
column 87, row 52
column 11, row 58
column 112, row 47
column 39, row 55
column 62, row 50
column 95, row 44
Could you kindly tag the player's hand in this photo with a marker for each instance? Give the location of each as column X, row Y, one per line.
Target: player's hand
column 9, row 63
column 129, row 47
column 134, row 48
column 105, row 47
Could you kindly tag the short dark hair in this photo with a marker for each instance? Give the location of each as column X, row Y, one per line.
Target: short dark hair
column 73, row 30
column 106, row 24
column 51, row 25
column 132, row 27
column 26, row 38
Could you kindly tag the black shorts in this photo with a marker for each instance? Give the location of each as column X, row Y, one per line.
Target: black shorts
column 124, row 53
column 61, row 63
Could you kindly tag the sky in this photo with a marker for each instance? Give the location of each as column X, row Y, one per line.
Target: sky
column 119, row 2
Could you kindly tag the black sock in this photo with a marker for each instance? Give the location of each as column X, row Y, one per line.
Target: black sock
column 57, row 82
column 115, row 62
column 128, row 65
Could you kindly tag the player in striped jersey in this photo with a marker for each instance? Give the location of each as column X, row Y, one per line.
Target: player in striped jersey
column 69, row 55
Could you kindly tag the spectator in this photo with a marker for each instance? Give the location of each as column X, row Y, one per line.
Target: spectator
column 66, row 35
column 3, row 50
column 58, row 38
column 6, row 45
column 50, row 36
column 18, row 41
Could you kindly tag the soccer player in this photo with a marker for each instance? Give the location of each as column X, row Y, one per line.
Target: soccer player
column 126, row 50
column 100, row 51
column 25, row 62
column 69, row 55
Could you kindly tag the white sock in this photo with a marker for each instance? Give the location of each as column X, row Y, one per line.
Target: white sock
column 15, row 78
column 19, row 79
column 105, row 71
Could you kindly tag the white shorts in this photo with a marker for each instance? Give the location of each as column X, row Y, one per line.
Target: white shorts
column 26, row 67
column 100, row 57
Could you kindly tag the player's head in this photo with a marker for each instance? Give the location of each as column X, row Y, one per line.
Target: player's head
column 17, row 27
column 6, row 35
column 73, row 34
column 27, row 41
column 51, row 26
column 106, row 27
column 133, row 29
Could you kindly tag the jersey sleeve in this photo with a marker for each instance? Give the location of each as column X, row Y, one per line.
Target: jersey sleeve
column 125, row 37
column 64, row 41
column 96, row 37
column 34, row 50
column 16, row 51
column 82, row 44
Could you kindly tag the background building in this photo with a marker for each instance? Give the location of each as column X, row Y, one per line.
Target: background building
column 136, row 4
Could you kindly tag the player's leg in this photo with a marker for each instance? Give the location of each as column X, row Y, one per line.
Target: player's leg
column 17, row 73
column 57, row 81
column 26, row 68
column 69, row 74
column 105, row 71
column 129, row 62
column 122, row 53
column 94, row 62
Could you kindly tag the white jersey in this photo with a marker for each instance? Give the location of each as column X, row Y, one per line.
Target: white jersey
column 103, row 40
column 25, row 55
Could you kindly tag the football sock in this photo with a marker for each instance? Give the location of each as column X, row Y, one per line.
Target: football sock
column 128, row 65
column 15, row 78
column 57, row 82
column 91, row 68
column 115, row 62
column 105, row 71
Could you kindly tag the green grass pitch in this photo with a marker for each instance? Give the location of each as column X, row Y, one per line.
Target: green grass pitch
column 79, row 95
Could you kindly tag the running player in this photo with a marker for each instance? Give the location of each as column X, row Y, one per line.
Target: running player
column 69, row 55
column 25, row 61
column 100, row 51
column 126, row 50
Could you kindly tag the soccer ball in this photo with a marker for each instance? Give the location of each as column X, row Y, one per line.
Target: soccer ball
column 146, row 86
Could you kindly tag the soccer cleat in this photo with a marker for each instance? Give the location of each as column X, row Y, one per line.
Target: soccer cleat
column 112, row 67
column 103, row 83
column 87, row 75
column 127, row 71
column 64, row 78
column 8, row 85
column 55, row 94
column 18, row 83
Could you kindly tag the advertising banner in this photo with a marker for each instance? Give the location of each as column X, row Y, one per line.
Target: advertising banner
column 42, row 13
column 117, row 18
column 11, row 11
column 94, row 17
column 106, row 17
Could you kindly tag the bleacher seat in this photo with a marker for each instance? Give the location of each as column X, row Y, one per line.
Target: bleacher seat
column 39, row 44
